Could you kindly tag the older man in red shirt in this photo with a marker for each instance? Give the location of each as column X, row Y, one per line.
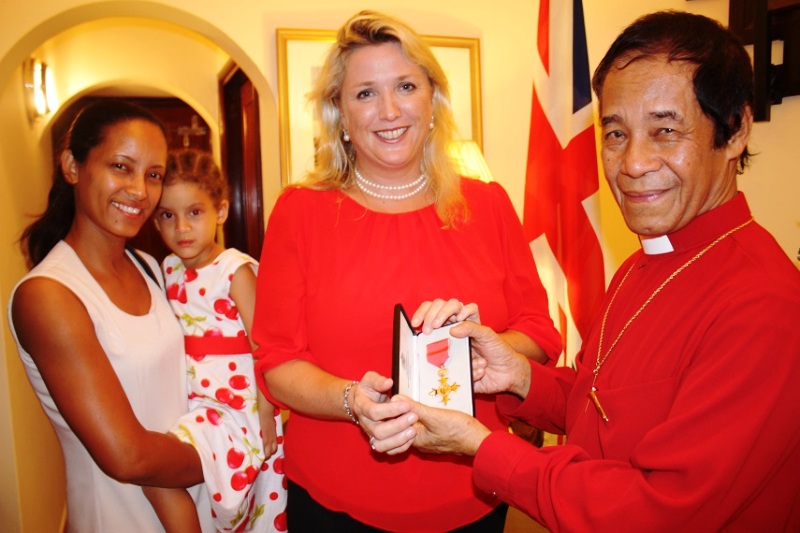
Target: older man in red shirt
column 683, row 412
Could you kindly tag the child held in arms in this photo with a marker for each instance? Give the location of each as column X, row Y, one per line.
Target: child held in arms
column 235, row 430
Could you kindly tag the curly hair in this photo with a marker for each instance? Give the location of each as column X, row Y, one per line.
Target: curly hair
column 196, row 166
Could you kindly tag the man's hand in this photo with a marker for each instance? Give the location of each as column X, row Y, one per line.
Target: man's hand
column 445, row 430
column 496, row 367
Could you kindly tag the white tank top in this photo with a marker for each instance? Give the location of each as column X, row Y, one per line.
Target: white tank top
column 147, row 354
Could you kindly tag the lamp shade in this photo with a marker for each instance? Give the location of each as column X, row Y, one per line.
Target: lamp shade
column 38, row 81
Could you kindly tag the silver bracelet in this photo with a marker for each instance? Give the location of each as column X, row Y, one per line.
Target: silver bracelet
column 346, row 402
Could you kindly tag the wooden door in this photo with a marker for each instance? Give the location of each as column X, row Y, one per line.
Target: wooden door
column 241, row 159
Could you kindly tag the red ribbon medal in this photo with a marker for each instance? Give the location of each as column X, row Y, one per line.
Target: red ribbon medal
column 438, row 354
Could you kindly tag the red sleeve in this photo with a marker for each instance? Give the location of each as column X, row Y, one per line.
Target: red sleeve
column 546, row 404
column 517, row 473
column 279, row 327
column 729, row 445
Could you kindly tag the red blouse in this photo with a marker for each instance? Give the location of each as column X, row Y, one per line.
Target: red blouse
column 331, row 273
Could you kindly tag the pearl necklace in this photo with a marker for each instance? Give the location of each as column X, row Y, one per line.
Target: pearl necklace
column 367, row 187
column 600, row 360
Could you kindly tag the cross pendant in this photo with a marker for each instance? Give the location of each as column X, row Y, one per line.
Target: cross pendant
column 589, row 396
column 596, row 402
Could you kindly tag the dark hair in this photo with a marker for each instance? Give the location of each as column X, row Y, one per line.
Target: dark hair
column 87, row 131
column 723, row 79
column 196, row 166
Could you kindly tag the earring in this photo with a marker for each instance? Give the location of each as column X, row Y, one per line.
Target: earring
column 430, row 126
column 346, row 136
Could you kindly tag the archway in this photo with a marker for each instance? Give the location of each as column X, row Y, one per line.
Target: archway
column 34, row 460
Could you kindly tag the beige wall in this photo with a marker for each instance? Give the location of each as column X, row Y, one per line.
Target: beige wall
column 244, row 30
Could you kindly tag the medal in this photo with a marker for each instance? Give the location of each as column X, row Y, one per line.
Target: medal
column 438, row 353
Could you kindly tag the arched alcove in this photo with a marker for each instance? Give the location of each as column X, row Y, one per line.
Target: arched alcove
column 183, row 21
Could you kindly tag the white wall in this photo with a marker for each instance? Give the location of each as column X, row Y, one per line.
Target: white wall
column 245, row 30
column 133, row 51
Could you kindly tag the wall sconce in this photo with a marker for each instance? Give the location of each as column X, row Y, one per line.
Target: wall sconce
column 469, row 160
column 39, row 93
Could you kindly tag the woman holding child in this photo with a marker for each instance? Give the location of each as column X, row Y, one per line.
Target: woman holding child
column 96, row 335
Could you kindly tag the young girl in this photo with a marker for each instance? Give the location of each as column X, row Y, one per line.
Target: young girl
column 212, row 293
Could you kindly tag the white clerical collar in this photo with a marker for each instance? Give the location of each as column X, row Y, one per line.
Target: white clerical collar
column 656, row 245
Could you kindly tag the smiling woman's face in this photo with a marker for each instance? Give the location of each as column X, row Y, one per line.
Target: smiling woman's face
column 386, row 105
column 119, row 184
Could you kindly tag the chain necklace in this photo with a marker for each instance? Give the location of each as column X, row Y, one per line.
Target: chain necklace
column 601, row 360
column 367, row 187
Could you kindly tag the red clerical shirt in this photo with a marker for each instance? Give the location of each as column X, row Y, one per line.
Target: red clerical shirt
column 701, row 394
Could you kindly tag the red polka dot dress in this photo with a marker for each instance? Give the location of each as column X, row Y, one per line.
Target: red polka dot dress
column 247, row 492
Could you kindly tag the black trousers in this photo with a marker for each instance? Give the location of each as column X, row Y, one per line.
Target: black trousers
column 305, row 515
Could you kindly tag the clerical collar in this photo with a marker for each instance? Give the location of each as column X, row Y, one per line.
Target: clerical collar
column 702, row 230
column 656, row 245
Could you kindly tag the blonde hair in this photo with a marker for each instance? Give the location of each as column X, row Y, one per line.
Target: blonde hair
column 334, row 168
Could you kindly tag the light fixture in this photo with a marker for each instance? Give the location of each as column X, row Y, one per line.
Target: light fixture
column 469, row 160
column 38, row 80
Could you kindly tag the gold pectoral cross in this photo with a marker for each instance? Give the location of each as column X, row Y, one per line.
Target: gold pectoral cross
column 596, row 402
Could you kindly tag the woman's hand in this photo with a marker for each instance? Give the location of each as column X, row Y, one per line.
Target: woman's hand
column 435, row 314
column 496, row 367
column 388, row 425
column 306, row 388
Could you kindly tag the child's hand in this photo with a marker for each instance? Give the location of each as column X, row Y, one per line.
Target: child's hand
column 269, row 433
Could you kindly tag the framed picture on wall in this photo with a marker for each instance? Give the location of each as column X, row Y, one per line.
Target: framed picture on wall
column 301, row 53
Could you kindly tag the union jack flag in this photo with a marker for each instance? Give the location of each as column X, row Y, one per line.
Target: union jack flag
column 561, row 213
